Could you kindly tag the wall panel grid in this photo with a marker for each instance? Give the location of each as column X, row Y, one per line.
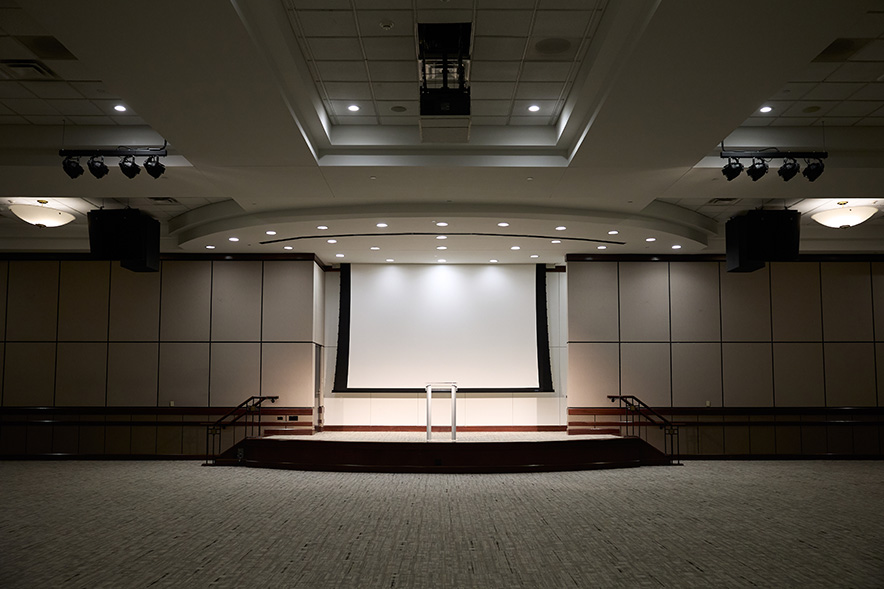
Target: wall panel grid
column 690, row 334
column 195, row 334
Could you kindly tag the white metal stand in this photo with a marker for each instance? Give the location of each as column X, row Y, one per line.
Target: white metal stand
column 452, row 386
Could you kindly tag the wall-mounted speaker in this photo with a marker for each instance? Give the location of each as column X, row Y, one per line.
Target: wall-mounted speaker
column 762, row 236
column 128, row 235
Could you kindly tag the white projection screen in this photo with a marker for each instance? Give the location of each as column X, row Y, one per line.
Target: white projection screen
column 412, row 324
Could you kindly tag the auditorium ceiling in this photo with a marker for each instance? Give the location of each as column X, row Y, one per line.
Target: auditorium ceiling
column 620, row 156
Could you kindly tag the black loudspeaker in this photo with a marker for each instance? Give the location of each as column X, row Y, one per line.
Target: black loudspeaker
column 762, row 236
column 127, row 235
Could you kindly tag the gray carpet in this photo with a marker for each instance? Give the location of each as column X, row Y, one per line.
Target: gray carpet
column 706, row 524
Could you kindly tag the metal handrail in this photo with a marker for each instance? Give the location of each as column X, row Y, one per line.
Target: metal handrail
column 248, row 409
column 633, row 406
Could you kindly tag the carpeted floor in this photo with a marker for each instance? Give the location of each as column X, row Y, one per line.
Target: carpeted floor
column 177, row 524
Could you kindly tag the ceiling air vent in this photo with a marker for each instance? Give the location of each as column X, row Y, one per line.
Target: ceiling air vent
column 723, row 201
column 444, row 82
column 26, row 69
column 163, row 200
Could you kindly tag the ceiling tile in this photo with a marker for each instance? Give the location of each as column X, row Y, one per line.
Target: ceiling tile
column 75, row 107
column 532, row 121
column 833, row 91
column 321, row 4
column 30, row 106
column 396, row 91
column 534, row 71
column 494, row 71
column 870, row 92
column 538, row 49
column 93, row 90
column 14, row 90
column 778, row 107
column 370, row 23
column 854, row 108
column 792, row 122
column 445, row 15
column 814, row 72
column 348, row 90
column 503, row 23
column 836, row 121
column 393, row 48
column 878, row 113
column 871, row 122
column 46, row 119
column 874, row 51
column 488, row 120
column 757, row 122
column 498, row 48
column 339, row 107
column 412, row 108
column 794, row 91
column 327, row 23
column 807, row 108
column 133, row 120
column 540, row 90
column 393, row 71
column 12, row 49
column 70, row 70
column 561, row 23
column 18, row 22
column 52, row 89
column 490, row 107
column 857, row 71
column 357, row 120
column 492, row 90
column 407, row 120
column 12, row 120
column 89, row 120
column 341, row 71
column 514, row 4
column 382, row 4
column 107, row 107
column 334, row 48
column 547, row 108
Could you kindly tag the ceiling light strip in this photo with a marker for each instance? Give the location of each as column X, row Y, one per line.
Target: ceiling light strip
column 344, row 235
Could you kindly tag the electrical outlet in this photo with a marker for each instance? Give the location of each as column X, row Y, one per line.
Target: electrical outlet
column 171, row 403
column 293, row 418
column 709, row 403
column 279, row 418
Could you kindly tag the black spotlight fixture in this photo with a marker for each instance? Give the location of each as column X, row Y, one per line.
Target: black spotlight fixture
column 732, row 169
column 129, row 167
column 757, row 169
column 72, row 167
column 813, row 170
column 154, row 167
column 97, row 166
column 789, row 169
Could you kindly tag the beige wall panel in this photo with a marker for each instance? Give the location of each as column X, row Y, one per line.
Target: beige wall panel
column 696, row 375
column 169, row 437
column 798, row 374
column 83, row 301
column 32, row 305
column 593, row 302
column 287, row 371
column 847, row 301
column 644, row 372
column 318, row 304
column 332, row 308
column 762, row 438
column 745, row 305
column 236, row 301
column 144, row 437
column 710, row 439
column 592, row 374
column 118, row 439
column 29, row 377
column 878, row 302
column 184, row 374
column 235, row 373
column 186, row 301
column 696, row 313
column 879, row 356
column 795, row 301
column 134, row 305
column 644, row 302
column 850, row 375
column 4, row 271
column 81, row 371
column 132, row 375
column 747, row 374
column 288, row 301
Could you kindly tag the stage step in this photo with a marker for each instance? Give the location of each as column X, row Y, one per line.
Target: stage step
column 442, row 457
column 585, row 431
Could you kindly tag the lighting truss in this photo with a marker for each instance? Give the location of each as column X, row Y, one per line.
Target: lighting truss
column 126, row 154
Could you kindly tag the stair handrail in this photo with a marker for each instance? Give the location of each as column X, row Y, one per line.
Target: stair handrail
column 251, row 406
column 670, row 429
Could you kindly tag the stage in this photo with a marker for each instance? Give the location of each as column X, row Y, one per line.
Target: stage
column 473, row 452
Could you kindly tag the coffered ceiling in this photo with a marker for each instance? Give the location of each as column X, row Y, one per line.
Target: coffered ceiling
column 635, row 99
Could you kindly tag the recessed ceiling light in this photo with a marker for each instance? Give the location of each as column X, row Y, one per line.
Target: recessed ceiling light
column 613, row 232
column 210, row 247
column 676, row 247
column 287, row 247
column 382, row 225
column 503, row 224
column 270, row 232
column 534, row 256
column 390, row 260
column 339, row 255
column 603, row 247
column 651, row 239
column 374, row 248
column 534, row 108
column 441, row 247
column 322, row 227
column 353, row 108
column 441, row 224
column 372, row 177
column 556, row 241
column 233, row 239
column 765, row 109
column 561, row 228
column 332, row 241
column 441, row 260
column 529, row 178
column 515, row 247
column 441, row 237
column 120, row 108
column 493, row 261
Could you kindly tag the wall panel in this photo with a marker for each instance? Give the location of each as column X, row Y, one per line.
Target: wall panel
column 83, row 300
column 287, row 371
column 747, row 372
column 696, row 374
column 4, row 273
column 644, row 302
column 850, row 374
column 32, row 304
column 81, row 374
column 235, row 373
column 29, row 374
column 184, row 374
column 644, row 372
column 593, row 373
column 236, row 301
column 593, row 302
column 745, row 305
column 878, row 298
column 287, row 290
column 798, row 374
column 134, row 305
column 694, row 299
column 847, row 301
column 132, row 374
column 186, row 300
column 795, row 301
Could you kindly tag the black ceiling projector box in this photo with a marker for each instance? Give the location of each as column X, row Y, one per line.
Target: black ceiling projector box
column 762, row 236
column 127, row 235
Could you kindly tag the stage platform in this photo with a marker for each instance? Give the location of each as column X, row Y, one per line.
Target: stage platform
column 473, row 452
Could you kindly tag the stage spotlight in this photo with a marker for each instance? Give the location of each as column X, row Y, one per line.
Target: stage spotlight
column 757, row 169
column 97, row 166
column 72, row 167
column 789, row 168
column 732, row 169
column 129, row 167
column 813, row 170
column 154, row 167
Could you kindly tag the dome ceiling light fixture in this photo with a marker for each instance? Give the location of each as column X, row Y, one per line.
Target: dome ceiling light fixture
column 844, row 217
column 40, row 215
